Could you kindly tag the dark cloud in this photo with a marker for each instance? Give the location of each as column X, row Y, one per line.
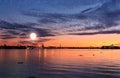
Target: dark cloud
column 44, row 32
column 98, row 32
column 87, row 10
column 22, row 34
column 14, row 30
column 96, row 27
column 8, row 25
column 99, row 18
column 46, row 18
column 35, row 42
column 46, row 21
column 106, row 14
column 7, row 37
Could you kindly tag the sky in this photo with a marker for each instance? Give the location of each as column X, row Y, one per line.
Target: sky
column 60, row 22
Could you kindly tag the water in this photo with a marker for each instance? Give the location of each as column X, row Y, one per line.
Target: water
column 60, row 63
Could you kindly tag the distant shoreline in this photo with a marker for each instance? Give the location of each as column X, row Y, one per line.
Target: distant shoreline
column 53, row 47
column 56, row 48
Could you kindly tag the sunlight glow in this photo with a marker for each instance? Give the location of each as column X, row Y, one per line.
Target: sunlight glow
column 33, row 36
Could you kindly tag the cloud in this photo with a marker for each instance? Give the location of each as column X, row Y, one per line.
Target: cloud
column 35, row 42
column 46, row 18
column 5, row 36
column 25, row 42
column 100, row 17
column 43, row 40
column 97, row 32
column 14, row 30
column 44, row 32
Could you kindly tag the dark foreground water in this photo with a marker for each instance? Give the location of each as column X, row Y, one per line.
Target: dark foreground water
column 60, row 63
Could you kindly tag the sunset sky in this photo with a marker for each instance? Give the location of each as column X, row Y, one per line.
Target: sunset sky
column 67, row 22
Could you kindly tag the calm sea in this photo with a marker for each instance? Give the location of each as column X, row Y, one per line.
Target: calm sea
column 60, row 63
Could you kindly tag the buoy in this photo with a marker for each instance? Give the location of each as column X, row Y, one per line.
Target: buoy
column 32, row 77
column 80, row 55
column 20, row 62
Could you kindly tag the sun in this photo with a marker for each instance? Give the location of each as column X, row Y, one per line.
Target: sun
column 33, row 36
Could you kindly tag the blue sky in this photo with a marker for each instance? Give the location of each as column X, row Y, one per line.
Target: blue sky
column 58, row 17
column 10, row 10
